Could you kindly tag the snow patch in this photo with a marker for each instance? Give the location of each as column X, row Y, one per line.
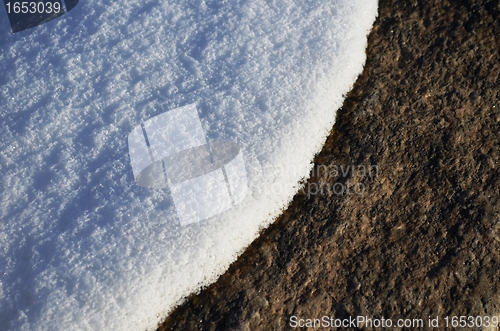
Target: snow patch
column 81, row 244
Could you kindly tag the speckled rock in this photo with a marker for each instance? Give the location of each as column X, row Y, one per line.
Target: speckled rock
column 418, row 234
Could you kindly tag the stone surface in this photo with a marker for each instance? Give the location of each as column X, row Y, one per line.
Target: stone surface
column 419, row 237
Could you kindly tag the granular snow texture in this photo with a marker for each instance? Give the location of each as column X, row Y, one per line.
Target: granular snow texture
column 81, row 245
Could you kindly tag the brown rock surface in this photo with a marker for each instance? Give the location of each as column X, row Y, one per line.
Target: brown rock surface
column 424, row 236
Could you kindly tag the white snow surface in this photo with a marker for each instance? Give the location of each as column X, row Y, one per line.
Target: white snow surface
column 81, row 245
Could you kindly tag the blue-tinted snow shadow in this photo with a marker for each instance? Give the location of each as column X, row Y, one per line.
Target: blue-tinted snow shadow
column 22, row 290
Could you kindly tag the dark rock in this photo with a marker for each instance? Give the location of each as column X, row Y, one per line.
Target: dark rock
column 423, row 239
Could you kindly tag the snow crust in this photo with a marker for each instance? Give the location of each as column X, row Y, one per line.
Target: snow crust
column 83, row 246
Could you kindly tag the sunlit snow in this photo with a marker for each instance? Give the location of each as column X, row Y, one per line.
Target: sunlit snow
column 82, row 245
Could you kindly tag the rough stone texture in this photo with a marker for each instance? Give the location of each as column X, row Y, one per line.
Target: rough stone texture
column 424, row 237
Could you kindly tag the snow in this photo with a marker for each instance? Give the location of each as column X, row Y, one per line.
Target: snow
column 81, row 244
